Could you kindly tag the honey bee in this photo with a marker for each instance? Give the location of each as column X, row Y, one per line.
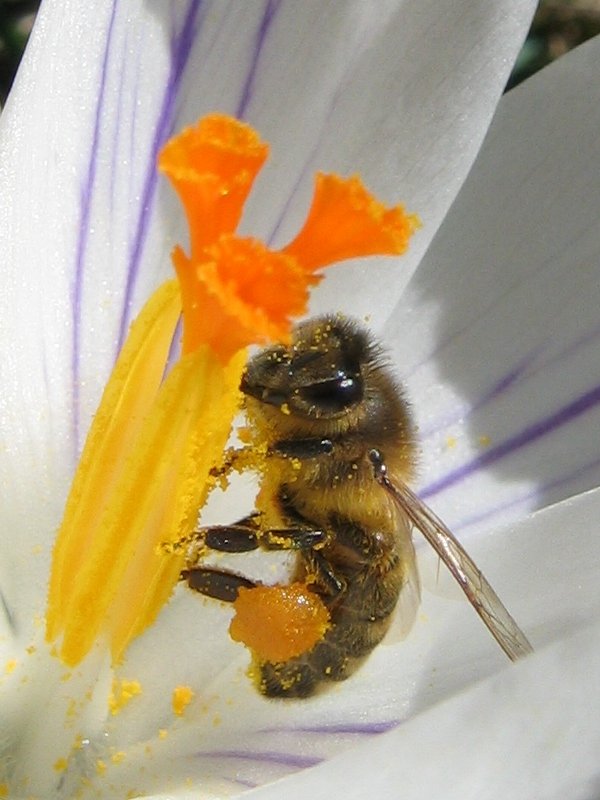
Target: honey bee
column 340, row 450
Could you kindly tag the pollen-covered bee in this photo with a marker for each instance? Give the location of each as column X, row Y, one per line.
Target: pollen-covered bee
column 340, row 449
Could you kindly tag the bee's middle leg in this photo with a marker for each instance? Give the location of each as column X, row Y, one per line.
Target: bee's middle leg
column 243, row 538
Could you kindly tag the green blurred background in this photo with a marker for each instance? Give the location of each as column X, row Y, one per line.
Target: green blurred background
column 558, row 26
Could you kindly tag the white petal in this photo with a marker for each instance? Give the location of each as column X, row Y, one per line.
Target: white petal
column 528, row 731
column 404, row 96
column 544, row 568
column 84, row 230
column 498, row 334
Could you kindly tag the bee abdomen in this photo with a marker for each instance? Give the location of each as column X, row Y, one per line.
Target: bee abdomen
column 334, row 658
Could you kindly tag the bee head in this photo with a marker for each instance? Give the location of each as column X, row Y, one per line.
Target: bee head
column 317, row 376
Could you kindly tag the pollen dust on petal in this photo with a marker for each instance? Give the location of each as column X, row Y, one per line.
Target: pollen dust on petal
column 181, row 698
column 122, row 693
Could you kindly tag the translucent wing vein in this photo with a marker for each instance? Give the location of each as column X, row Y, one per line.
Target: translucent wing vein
column 476, row 587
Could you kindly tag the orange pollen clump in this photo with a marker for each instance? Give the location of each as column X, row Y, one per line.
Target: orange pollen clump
column 279, row 622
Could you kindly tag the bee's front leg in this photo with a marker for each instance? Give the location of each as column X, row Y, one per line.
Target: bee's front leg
column 303, row 449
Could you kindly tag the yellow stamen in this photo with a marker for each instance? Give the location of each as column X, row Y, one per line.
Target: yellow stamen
column 204, row 394
column 146, row 467
column 127, row 400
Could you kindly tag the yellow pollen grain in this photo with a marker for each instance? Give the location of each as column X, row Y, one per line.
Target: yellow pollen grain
column 123, row 691
column 163, row 733
column 484, row 441
column 3, row 790
column 118, row 757
column 60, row 765
column 451, row 442
column 245, row 434
column 182, row 697
column 100, row 766
column 10, row 666
column 71, row 708
column 31, row 649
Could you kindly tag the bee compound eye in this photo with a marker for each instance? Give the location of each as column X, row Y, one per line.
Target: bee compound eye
column 333, row 395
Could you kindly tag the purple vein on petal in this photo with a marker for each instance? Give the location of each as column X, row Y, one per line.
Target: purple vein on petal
column 304, row 169
column 114, row 145
column 271, row 9
column 523, row 438
column 265, row 756
column 507, row 381
column 360, row 729
column 8, row 615
column 526, row 368
column 181, row 46
column 530, row 500
column 84, row 230
column 246, row 784
column 307, row 167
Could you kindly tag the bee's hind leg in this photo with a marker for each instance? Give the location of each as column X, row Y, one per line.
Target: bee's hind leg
column 216, row 583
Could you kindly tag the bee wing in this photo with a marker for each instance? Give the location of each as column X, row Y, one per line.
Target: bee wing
column 409, row 599
column 479, row 592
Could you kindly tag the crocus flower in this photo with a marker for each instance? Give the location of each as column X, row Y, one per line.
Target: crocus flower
column 495, row 335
